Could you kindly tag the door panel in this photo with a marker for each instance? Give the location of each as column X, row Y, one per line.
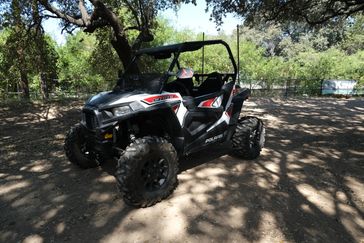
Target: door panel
column 205, row 112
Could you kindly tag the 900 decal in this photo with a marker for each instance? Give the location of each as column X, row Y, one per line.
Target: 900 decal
column 158, row 98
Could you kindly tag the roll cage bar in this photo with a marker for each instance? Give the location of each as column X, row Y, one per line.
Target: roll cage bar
column 177, row 49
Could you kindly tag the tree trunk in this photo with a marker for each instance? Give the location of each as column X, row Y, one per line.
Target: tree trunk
column 24, row 84
column 124, row 51
column 41, row 52
column 21, row 62
column 120, row 42
column 44, row 86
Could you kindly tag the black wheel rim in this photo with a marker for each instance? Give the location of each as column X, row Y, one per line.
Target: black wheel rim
column 154, row 174
column 254, row 140
column 83, row 149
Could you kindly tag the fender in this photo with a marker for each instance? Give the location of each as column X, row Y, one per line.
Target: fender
column 164, row 118
column 238, row 101
column 162, row 115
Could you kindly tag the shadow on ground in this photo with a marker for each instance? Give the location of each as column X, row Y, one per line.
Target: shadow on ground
column 308, row 184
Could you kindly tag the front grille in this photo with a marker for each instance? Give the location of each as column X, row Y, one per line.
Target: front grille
column 90, row 120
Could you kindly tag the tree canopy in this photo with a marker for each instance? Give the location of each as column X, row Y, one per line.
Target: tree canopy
column 121, row 16
column 311, row 11
column 271, row 52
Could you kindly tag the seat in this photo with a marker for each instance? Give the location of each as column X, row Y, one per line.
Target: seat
column 179, row 86
column 189, row 102
column 183, row 84
column 187, row 83
column 212, row 84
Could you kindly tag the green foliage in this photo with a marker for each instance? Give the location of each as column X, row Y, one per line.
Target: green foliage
column 26, row 52
column 104, row 60
column 314, row 12
column 274, row 56
column 75, row 66
column 354, row 40
column 4, row 77
column 36, row 61
column 270, row 56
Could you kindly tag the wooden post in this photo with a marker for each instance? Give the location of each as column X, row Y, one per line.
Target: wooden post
column 203, row 53
column 238, row 52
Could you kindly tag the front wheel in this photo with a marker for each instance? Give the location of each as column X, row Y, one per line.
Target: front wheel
column 249, row 138
column 147, row 171
column 76, row 149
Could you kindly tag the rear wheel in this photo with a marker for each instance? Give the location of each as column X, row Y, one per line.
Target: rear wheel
column 147, row 171
column 76, row 149
column 249, row 138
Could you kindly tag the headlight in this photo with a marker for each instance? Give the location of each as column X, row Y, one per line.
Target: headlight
column 136, row 106
column 119, row 111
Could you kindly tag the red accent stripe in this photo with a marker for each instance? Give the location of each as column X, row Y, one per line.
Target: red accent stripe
column 175, row 108
column 229, row 111
column 208, row 103
column 158, row 98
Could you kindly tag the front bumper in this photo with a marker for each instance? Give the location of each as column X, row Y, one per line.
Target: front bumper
column 99, row 139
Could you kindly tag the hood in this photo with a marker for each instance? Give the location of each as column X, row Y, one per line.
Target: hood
column 106, row 98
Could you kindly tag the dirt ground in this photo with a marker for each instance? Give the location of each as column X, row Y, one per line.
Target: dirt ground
column 307, row 186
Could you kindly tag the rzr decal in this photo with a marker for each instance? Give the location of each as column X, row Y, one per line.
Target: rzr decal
column 158, row 98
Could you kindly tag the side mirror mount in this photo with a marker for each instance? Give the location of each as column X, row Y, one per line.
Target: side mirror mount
column 184, row 73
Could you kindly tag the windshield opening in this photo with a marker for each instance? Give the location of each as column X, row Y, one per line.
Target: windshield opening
column 146, row 72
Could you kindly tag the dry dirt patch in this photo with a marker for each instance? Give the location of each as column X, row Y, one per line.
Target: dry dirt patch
column 308, row 185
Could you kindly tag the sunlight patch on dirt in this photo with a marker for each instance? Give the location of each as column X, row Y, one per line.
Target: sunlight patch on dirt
column 106, row 179
column 174, row 224
column 33, row 239
column 236, row 216
column 59, row 228
column 37, row 166
column 105, row 213
column 352, row 222
column 99, row 197
column 269, row 230
column 51, row 213
column 12, row 186
column 321, row 199
column 356, row 187
column 60, row 198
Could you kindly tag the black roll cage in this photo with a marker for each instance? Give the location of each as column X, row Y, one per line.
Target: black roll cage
column 177, row 49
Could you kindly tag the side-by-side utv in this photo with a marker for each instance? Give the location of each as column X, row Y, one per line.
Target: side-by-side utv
column 159, row 112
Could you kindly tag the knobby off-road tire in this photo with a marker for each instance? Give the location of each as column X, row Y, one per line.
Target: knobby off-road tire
column 248, row 139
column 147, row 172
column 75, row 148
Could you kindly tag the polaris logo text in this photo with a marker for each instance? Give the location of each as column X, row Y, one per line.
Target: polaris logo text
column 213, row 139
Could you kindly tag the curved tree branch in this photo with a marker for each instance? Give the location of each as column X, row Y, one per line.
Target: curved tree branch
column 84, row 14
column 133, row 12
column 61, row 15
